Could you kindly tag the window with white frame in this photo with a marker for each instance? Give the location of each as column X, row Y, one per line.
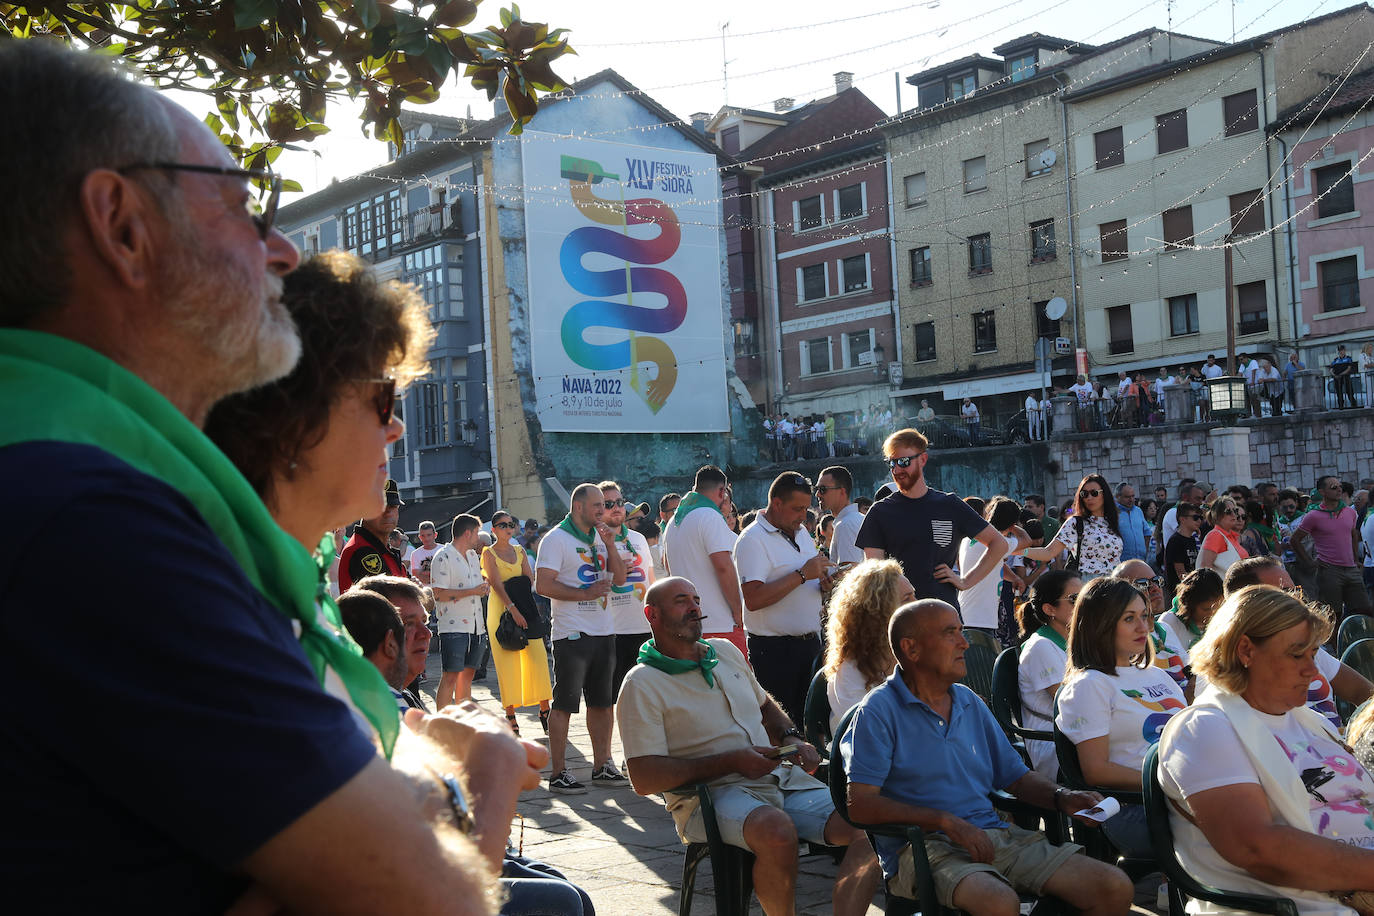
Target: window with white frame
column 915, row 187
column 811, row 282
column 371, row 227
column 815, row 356
column 854, row 273
column 1034, row 150
column 857, row 343
column 808, row 213
column 849, row 202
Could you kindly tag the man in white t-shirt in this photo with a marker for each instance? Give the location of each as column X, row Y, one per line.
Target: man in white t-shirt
column 577, row 566
column 833, row 491
column 698, row 546
column 782, row 574
column 1033, row 416
column 456, row 579
column 420, row 557
column 1212, row 368
column 627, row 601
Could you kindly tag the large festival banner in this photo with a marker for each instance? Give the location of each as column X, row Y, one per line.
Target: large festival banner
column 625, row 287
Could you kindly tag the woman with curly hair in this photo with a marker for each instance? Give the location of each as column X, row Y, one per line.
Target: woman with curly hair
column 857, row 654
column 314, row 445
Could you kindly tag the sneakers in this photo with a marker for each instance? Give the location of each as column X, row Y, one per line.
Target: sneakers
column 607, row 774
column 565, row 784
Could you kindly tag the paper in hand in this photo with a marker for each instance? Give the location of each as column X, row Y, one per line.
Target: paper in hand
column 1102, row 811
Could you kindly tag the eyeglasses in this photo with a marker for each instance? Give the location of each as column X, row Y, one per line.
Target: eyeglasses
column 1092, row 492
column 503, row 525
column 613, row 503
column 264, row 219
column 1071, row 599
column 903, row 462
column 384, row 400
column 1150, row 582
column 822, row 489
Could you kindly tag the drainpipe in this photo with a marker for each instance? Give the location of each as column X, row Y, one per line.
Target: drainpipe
column 1068, row 199
column 488, row 351
column 774, row 311
column 1269, row 170
column 892, row 258
column 1289, row 233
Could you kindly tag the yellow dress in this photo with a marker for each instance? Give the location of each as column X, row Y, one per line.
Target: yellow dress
column 523, row 677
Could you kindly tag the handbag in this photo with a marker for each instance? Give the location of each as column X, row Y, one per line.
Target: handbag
column 511, row 637
column 521, row 594
column 1072, row 565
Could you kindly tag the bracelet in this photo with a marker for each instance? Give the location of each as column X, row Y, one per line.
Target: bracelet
column 793, row 732
column 802, row 573
column 458, row 803
column 1059, row 791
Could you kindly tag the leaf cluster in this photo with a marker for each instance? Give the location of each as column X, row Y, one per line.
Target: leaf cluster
column 273, row 66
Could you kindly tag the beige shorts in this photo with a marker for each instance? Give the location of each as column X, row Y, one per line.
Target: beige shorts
column 1022, row 858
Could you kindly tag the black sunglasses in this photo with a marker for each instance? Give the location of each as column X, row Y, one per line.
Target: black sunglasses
column 613, row 503
column 903, row 462
column 264, row 219
column 384, row 400
column 503, row 525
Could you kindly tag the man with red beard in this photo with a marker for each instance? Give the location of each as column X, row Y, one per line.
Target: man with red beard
column 922, row 528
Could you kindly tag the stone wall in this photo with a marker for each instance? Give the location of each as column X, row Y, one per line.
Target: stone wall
column 1292, row 451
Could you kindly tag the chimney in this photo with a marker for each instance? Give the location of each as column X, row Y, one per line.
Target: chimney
column 699, row 120
column 784, row 104
column 843, row 80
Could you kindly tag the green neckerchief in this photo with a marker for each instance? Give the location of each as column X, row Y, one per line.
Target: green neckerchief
column 60, row 391
column 589, row 539
column 1316, row 506
column 692, row 501
column 624, row 535
column 1053, row 636
column 649, row 655
column 1160, row 636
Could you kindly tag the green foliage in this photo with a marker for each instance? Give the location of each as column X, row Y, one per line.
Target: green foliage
column 273, row 66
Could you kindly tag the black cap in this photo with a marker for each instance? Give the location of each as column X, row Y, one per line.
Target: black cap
column 393, row 495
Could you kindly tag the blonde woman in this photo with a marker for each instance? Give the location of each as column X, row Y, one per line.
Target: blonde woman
column 523, row 676
column 857, row 655
column 1266, row 797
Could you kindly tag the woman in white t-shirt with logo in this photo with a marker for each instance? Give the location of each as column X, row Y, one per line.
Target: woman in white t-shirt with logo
column 1115, row 701
column 1265, row 797
column 1044, row 619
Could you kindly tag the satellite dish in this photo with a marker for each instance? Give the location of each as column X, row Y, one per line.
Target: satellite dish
column 1048, row 158
column 1055, row 308
column 425, row 132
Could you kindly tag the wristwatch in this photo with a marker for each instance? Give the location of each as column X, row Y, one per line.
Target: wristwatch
column 458, row 801
column 794, row 732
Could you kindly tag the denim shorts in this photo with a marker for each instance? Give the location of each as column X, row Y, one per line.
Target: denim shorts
column 461, row 650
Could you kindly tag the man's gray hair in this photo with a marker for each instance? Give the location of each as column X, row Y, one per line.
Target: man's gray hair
column 66, row 113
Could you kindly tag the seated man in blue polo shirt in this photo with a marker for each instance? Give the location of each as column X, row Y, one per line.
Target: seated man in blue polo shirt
column 923, row 749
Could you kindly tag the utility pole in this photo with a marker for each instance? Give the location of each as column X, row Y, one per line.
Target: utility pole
column 1230, row 311
column 724, row 67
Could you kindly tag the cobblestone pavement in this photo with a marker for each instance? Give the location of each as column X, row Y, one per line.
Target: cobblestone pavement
column 621, row 847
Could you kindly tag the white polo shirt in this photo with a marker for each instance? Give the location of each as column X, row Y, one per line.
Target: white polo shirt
column 688, row 547
column 451, row 569
column 842, row 547
column 762, row 554
column 571, row 559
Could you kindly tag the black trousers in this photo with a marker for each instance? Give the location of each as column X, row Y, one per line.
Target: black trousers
column 783, row 666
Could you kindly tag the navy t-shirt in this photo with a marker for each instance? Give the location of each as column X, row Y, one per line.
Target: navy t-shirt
column 921, row 534
column 161, row 720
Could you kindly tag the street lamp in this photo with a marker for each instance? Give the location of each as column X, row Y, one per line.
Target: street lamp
column 1228, row 398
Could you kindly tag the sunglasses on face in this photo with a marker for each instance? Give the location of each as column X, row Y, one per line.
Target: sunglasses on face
column 503, row 525
column 903, row 462
column 383, row 397
column 1151, row 582
column 822, row 489
column 1092, row 492
column 613, row 503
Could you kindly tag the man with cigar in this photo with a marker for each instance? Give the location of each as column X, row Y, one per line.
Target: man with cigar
column 691, row 711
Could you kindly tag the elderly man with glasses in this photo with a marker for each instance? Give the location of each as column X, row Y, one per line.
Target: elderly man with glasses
column 781, row 574
column 922, row 528
column 140, row 287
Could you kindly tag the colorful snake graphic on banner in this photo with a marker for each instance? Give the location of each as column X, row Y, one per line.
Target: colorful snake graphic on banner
column 596, row 313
